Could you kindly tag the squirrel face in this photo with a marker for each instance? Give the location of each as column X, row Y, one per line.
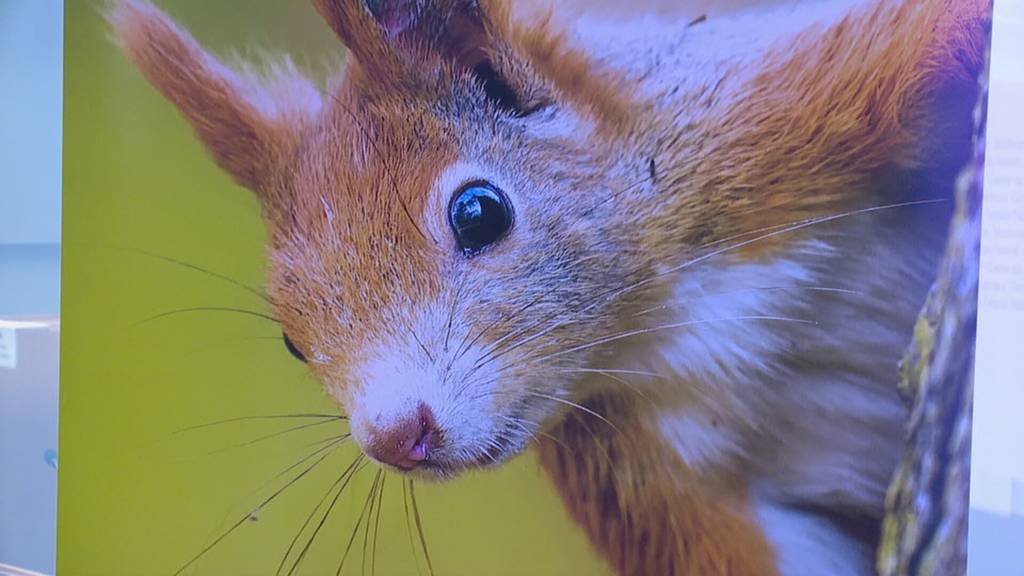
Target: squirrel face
column 439, row 224
column 429, row 260
column 415, row 282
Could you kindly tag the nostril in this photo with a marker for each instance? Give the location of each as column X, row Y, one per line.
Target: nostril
column 408, row 442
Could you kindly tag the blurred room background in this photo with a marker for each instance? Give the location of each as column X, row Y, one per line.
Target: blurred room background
column 30, row 147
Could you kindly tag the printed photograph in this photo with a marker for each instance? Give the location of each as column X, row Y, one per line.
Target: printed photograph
column 495, row 287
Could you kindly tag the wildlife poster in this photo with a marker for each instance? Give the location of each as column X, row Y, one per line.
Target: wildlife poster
column 490, row 287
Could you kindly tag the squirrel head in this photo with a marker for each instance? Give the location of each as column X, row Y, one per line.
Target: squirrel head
column 454, row 222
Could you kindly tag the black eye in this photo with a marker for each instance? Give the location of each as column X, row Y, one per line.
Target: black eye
column 291, row 348
column 480, row 215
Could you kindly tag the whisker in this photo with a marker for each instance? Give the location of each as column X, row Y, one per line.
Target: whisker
column 628, row 188
column 257, row 418
column 741, row 290
column 376, row 525
column 277, row 434
column 451, row 317
column 355, row 530
column 408, row 526
column 520, row 425
column 775, row 231
column 266, row 502
column 345, row 436
column 422, row 346
column 323, row 520
column 505, row 318
column 601, row 448
column 180, row 311
column 419, row 526
column 641, row 331
column 606, row 371
column 494, row 352
column 770, row 232
column 348, row 472
column 216, row 346
column 369, row 521
column 494, row 347
column 197, row 268
column 556, row 440
column 519, row 422
column 572, row 404
column 309, row 518
column 329, row 444
column 335, row 443
column 470, row 380
column 612, row 375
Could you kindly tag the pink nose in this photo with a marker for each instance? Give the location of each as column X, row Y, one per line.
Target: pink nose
column 406, row 443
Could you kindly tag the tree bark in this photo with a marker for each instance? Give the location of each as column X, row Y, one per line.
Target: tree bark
column 925, row 529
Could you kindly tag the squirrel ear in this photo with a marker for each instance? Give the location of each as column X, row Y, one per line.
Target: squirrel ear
column 393, row 40
column 249, row 126
column 391, row 34
column 455, row 29
column 357, row 28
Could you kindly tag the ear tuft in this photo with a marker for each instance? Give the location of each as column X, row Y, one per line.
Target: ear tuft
column 395, row 16
column 389, row 34
column 249, row 126
column 355, row 25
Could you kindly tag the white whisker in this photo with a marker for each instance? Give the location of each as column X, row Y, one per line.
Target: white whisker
column 605, row 371
column 642, row 331
column 575, row 405
column 678, row 303
column 611, row 375
column 771, row 232
column 519, row 425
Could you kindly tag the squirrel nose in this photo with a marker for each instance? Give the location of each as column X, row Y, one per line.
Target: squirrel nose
column 407, row 442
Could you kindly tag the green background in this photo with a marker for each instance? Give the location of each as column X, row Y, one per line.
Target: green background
column 136, row 497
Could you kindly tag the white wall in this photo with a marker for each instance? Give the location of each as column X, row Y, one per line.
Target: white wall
column 31, row 60
column 30, row 71
column 31, row 56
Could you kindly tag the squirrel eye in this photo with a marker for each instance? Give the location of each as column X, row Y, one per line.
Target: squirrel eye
column 479, row 214
column 291, row 348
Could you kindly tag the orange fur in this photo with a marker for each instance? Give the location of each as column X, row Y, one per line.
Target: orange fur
column 841, row 107
column 602, row 93
column 642, row 508
column 374, row 261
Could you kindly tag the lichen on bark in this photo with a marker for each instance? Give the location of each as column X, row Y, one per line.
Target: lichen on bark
column 925, row 528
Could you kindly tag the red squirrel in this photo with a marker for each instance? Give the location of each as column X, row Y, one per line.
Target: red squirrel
column 679, row 258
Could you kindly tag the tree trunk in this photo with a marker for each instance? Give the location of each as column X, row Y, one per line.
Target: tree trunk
column 925, row 529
